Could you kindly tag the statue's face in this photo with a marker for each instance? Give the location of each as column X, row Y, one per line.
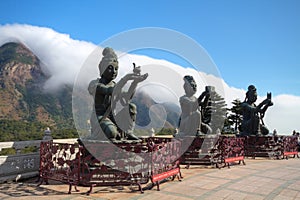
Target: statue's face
column 111, row 72
column 189, row 91
column 252, row 96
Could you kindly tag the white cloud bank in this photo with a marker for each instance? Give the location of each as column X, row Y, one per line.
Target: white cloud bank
column 63, row 58
column 60, row 55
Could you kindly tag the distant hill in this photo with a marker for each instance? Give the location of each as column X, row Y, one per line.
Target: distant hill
column 143, row 102
column 22, row 97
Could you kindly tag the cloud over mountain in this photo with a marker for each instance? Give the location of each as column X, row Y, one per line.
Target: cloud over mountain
column 63, row 58
column 60, row 55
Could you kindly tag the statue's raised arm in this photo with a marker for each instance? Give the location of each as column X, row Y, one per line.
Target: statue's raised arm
column 125, row 96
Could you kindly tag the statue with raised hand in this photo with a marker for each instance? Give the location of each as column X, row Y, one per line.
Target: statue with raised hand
column 107, row 93
column 191, row 119
column 252, row 114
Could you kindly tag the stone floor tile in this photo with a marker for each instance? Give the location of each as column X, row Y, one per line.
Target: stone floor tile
column 163, row 196
column 223, row 193
column 281, row 197
column 288, row 193
column 236, row 195
column 253, row 197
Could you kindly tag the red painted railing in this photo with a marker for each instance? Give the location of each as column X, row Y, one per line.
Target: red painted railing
column 98, row 163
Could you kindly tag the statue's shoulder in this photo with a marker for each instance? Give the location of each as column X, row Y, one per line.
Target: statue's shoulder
column 244, row 104
column 95, row 81
column 186, row 99
column 183, row 98
column 93, row 85
column 247, row 106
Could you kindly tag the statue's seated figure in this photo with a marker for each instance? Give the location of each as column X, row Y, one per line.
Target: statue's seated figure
column 191, row 119
column 252, row 114
column 107, row 93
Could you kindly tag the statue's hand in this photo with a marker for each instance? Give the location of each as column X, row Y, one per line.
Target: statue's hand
column 135, row 77
column 269, row 102
column 205, row 94
column 139, row 78
column 266, row 101
column 130, row 76
column 143, row 77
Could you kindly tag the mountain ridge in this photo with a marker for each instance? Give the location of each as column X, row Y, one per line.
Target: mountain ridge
column 22, row 95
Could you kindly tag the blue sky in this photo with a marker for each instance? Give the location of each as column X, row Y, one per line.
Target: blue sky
column 252, row 42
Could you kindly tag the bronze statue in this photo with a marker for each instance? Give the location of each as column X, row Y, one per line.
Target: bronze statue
column 191, row 119
column 107, row 93
column 252, row 114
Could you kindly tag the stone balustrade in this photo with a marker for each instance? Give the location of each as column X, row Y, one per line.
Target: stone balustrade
column 22, row 165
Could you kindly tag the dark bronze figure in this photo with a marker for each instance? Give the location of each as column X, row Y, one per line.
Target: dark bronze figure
column 107, row 93
column 253, row 115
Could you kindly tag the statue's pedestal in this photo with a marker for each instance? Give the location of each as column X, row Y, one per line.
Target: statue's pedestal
column 214, row 150
column 275, row 147
column 103, row 163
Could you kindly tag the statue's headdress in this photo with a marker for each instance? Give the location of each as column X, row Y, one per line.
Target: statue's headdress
column 109, row 58
column 251, row 89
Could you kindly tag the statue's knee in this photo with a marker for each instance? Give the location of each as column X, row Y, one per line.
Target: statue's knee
column 264, row 130
column 109, row 129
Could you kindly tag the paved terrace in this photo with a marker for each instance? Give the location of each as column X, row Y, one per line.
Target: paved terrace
column 258, row 179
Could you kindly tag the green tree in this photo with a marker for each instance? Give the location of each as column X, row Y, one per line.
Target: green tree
column 236, row 114
column 13, row 130
column 227, row 128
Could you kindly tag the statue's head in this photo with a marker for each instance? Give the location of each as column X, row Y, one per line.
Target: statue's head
column 251, row 94
column 190, row 85
column 109, row 65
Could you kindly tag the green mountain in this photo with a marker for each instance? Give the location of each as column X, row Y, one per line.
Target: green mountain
column 23, row 101
column 143, row 101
